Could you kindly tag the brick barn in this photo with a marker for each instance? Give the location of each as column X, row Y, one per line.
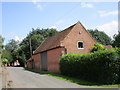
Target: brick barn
column 74, row 39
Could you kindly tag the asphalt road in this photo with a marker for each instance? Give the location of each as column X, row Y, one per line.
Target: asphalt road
column 18, row 77
column 26, row 79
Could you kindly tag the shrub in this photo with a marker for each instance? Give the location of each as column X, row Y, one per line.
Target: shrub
column 101, row 66
column 98, row 47
column 4, row 61
column 118, row 52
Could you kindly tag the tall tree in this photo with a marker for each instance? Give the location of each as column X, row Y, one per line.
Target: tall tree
column 35, row 37
column 7, row 55
column 8, row 52
column 12, row 45
column 116, row 42
column 100, row 37
column 1, row 43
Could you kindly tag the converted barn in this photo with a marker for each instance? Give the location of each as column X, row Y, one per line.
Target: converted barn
column 74, row 39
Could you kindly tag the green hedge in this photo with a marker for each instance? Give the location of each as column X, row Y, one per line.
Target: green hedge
column 100, row 66
column 4, row 61
column 98, row 47
column 118, row 51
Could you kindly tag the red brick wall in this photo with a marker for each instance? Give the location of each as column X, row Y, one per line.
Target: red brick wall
column 53, row 60
column 78, row 34
column 29, row 65
column 37, row 61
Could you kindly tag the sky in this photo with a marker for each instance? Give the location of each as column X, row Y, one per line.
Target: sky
column 18, row 18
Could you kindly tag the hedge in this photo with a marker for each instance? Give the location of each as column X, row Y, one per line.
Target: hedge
column 4, row 61
column 100, row 66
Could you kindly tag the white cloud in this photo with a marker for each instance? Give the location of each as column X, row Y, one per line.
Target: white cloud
column 12, row 35
column 18, row 38
column 37, row 4
column 53, row 27
column 36, row 1
column 86, row 5
column 105, row 13
column 110, row 28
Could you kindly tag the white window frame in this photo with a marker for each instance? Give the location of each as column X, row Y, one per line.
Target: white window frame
column 83, row 45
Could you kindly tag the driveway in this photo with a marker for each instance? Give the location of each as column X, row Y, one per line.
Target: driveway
column 21, row 78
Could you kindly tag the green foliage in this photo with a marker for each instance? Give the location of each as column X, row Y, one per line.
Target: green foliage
column 7, row 54
column 101, row 66
column 1, row 43
column 98, row 47
column 15, row 50
column 118, row 51
column 37, row 36
column 19, row 55
column 116, row 42
column 12, row 45
column 4, row 61
column 100, row 37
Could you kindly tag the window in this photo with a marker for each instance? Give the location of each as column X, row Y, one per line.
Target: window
column 80, row 45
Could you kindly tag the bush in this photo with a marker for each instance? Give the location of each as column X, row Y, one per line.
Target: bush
column 118, row 51
column 4, row 61
column 100, row 66
column 98, row 47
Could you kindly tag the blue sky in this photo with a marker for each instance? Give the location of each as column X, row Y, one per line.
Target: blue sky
column 18, row 18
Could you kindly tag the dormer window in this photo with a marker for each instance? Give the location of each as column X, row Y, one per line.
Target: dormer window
column 80, row 45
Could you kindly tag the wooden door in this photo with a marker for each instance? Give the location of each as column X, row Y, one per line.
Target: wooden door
column 44, row 65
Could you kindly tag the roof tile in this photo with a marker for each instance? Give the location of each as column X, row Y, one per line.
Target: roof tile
column 54, row 41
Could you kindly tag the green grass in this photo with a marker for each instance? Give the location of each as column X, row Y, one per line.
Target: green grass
column 71, row 79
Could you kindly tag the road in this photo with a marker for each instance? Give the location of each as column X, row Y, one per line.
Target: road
column 26, row 79
column 18, row 77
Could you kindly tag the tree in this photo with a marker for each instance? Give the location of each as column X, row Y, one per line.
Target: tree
column 12, row 45
column 35, row 37
column 100, row 37
column 9, row 49
column 22, row 52
column 1, row 43
column 7, row 54
column 1, row 46
column 4, row 61
column 116, row 42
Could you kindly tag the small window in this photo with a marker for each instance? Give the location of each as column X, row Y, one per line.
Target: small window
column 80, row 45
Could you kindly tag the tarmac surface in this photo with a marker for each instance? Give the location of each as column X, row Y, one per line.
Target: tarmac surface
column 18, row 77
column 26, row 79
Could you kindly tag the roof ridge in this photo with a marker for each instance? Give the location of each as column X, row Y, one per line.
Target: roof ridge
column 55, row 40
column 64, row 31
column 71, row 29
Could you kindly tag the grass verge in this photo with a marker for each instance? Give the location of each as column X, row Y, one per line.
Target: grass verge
column 70, row 79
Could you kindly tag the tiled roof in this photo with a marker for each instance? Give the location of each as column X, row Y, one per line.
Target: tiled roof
column 54, row 41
